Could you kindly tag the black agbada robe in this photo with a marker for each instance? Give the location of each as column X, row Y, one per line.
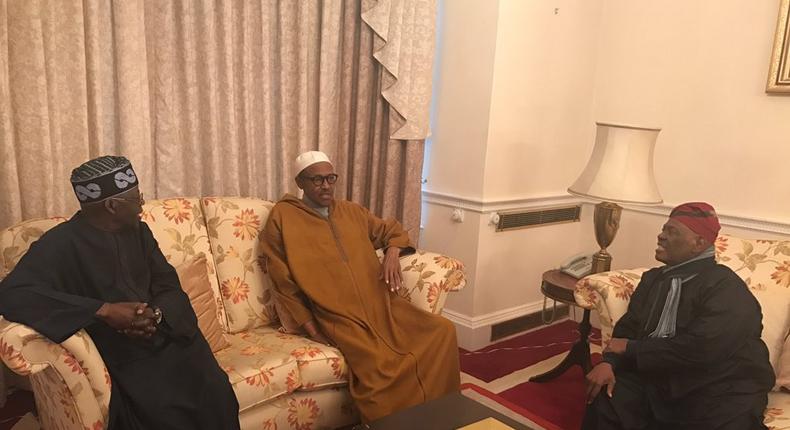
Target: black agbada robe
column 171, row 381
column 713, row 374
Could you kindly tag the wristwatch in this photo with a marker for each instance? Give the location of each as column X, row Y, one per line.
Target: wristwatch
column 158, row 315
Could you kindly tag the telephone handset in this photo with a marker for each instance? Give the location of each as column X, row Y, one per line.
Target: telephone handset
column 577, row 266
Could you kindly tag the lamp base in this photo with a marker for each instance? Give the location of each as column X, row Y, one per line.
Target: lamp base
column 606, row 220
column 601, row 262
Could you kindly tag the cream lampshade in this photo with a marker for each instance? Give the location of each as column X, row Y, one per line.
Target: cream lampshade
column 620, row 170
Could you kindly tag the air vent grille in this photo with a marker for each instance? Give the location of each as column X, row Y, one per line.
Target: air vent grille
column 533, row 218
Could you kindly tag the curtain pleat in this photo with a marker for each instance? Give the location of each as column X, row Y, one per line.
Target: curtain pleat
column 208, row 98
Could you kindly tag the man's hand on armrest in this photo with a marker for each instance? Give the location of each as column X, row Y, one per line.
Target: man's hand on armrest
column 390, row 268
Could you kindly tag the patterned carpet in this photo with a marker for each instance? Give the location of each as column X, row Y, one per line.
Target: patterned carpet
column 501, row 372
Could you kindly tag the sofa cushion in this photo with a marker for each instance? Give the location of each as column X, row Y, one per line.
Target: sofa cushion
column 263, row 364
column 194, row 278
column 180, row 229
column 765, row 267
column 315, row 410
column 233, row 225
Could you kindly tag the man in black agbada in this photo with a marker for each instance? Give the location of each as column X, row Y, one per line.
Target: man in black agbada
column 687, row 354
column 103, row 271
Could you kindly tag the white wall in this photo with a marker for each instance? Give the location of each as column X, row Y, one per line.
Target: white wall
column 519, row 89
column 541, row 101
column 509, row 103
column 462, row 95
column 462, row 98
column 698, row 70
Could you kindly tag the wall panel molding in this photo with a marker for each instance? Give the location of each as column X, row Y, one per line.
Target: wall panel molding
column 489, row 206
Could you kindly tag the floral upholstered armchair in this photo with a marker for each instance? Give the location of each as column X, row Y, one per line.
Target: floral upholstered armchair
column 281, row 380
column 764, row 266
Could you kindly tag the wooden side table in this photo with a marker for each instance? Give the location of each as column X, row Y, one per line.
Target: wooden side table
column 560, row 287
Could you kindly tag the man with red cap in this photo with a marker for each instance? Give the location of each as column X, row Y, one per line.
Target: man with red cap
column 687, row 354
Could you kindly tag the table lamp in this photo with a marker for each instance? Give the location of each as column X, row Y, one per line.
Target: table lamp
column 620, row 170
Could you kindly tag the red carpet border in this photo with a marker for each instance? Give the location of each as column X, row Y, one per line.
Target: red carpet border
column 555, row 405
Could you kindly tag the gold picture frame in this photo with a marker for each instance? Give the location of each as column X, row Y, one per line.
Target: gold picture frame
column 779, row 73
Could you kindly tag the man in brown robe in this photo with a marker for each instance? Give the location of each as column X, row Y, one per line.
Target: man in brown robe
column 321, row 257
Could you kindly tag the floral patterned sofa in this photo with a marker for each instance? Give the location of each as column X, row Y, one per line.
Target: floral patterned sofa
column 765, row 267
column 282, row 381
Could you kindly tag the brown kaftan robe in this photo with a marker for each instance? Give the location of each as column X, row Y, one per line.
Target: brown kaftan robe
column 327, row 269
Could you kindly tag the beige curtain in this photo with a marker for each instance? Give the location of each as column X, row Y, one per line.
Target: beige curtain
column 214, row 97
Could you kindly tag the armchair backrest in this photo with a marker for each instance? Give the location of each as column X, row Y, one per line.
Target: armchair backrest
column 15, row 240
column 764, row 265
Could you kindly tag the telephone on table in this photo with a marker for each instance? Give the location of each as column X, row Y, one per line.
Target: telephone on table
column 577, row 266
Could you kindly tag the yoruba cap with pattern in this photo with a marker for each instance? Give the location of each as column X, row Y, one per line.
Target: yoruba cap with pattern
column 103, row 177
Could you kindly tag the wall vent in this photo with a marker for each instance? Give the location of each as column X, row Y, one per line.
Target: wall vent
column 536, row 217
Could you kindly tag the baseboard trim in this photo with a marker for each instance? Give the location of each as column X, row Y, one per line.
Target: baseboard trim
column 491, row 318
column 489, row 206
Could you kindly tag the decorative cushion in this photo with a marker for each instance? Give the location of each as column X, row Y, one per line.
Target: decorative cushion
column 263, row 364
column 765, row 267
column 194, row 278
column 233, row 227
column 180, row 229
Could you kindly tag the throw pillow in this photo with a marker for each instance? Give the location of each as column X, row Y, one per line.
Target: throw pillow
column 193, row 275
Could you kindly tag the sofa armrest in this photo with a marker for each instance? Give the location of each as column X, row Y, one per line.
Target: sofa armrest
column 609, row 294
column 428, row 277
column 70, row 380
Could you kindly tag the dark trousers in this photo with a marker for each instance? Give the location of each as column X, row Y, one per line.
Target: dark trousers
column 636, row 405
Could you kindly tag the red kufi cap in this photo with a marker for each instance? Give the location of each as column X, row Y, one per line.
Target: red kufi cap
column 700, row 218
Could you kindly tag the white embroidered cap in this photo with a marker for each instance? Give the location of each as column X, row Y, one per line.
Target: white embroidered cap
column 309, row 158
